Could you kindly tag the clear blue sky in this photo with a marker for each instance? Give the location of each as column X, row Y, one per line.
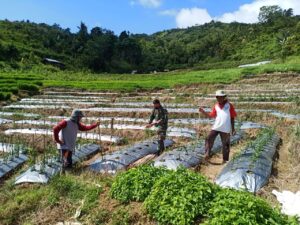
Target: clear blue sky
column 135, row 16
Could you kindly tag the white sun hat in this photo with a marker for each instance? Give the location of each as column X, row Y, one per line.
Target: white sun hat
column 220, row 93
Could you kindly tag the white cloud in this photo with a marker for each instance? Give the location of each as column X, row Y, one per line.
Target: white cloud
column 147, row 3
column 170, row 12
column 190, row 17
column 248, row 13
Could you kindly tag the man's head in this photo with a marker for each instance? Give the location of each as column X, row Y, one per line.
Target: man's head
column 221, row 96
column 156, row 103
column 76, row 115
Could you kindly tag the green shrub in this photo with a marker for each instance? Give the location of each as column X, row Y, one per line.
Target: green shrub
column 29, row 87
column 231, row 207
column 4, row 96
column 180, row 197
column 136, row 183
column 38, row 83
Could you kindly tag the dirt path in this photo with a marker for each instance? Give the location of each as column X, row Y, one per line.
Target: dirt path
column 212, row 169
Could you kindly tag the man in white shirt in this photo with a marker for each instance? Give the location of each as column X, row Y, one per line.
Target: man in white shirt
column 224, row 113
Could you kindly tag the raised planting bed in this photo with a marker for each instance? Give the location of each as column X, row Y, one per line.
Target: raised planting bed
column 42, row 173
column 92, row 136
column 4, row 121
column 190, row 155
column 14, row 156
column 172, row 131
column 36, row 106
column 120, row 160
column 19, row 114
column 251, row 169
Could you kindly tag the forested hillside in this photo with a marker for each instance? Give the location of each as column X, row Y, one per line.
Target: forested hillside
column 24, row 44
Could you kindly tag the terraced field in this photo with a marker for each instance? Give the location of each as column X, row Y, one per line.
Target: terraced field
column 263, row 102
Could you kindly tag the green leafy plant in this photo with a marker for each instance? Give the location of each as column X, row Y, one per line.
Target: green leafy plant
column 136, row 183
column 231, row 207
column 180, row 197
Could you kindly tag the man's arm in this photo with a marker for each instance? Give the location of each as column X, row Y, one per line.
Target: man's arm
column 233, row 114
column 212, row 114
column 232, row 126
column 152, row 116
column 61, row 125
column 83, row 127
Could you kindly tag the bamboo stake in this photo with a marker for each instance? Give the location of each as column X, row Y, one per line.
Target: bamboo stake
column 100, row 141
column 112, row 131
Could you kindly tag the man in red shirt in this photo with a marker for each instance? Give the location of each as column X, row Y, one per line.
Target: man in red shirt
column 224, row 113
column 65, row 135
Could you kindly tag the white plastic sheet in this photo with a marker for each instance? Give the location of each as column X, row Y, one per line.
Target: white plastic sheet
column 8, row 166
column 120, row 160
column 92, row 136
column 289, row 201
column 39, row 173
column 244, row 172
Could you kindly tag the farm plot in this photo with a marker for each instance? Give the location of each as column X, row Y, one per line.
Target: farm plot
column 124, row 116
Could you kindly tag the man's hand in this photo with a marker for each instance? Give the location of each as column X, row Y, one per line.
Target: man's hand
column 98, row 123
column 201, row 110
column 157, row 122
column 149, row 125
column 59, row 141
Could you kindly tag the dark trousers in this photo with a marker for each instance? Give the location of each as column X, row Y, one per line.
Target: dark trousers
column 161, row 136
column 66, row 156
column 225, row 138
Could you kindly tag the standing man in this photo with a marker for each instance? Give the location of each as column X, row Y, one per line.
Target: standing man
column 224, row 113
column 159, row 119
column 65, row 135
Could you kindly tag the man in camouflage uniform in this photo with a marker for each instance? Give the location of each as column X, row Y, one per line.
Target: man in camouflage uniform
column 159, row 119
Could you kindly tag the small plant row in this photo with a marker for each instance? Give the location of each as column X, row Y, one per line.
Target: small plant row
column 251, row 168
column 181, row 197
column 269, row 99
column 12, row 155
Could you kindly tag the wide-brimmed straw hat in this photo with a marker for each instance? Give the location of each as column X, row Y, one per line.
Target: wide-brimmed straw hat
column 220, row 93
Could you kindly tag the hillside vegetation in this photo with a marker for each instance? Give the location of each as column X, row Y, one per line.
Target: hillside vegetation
column 100, row 60
column 213, row 45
